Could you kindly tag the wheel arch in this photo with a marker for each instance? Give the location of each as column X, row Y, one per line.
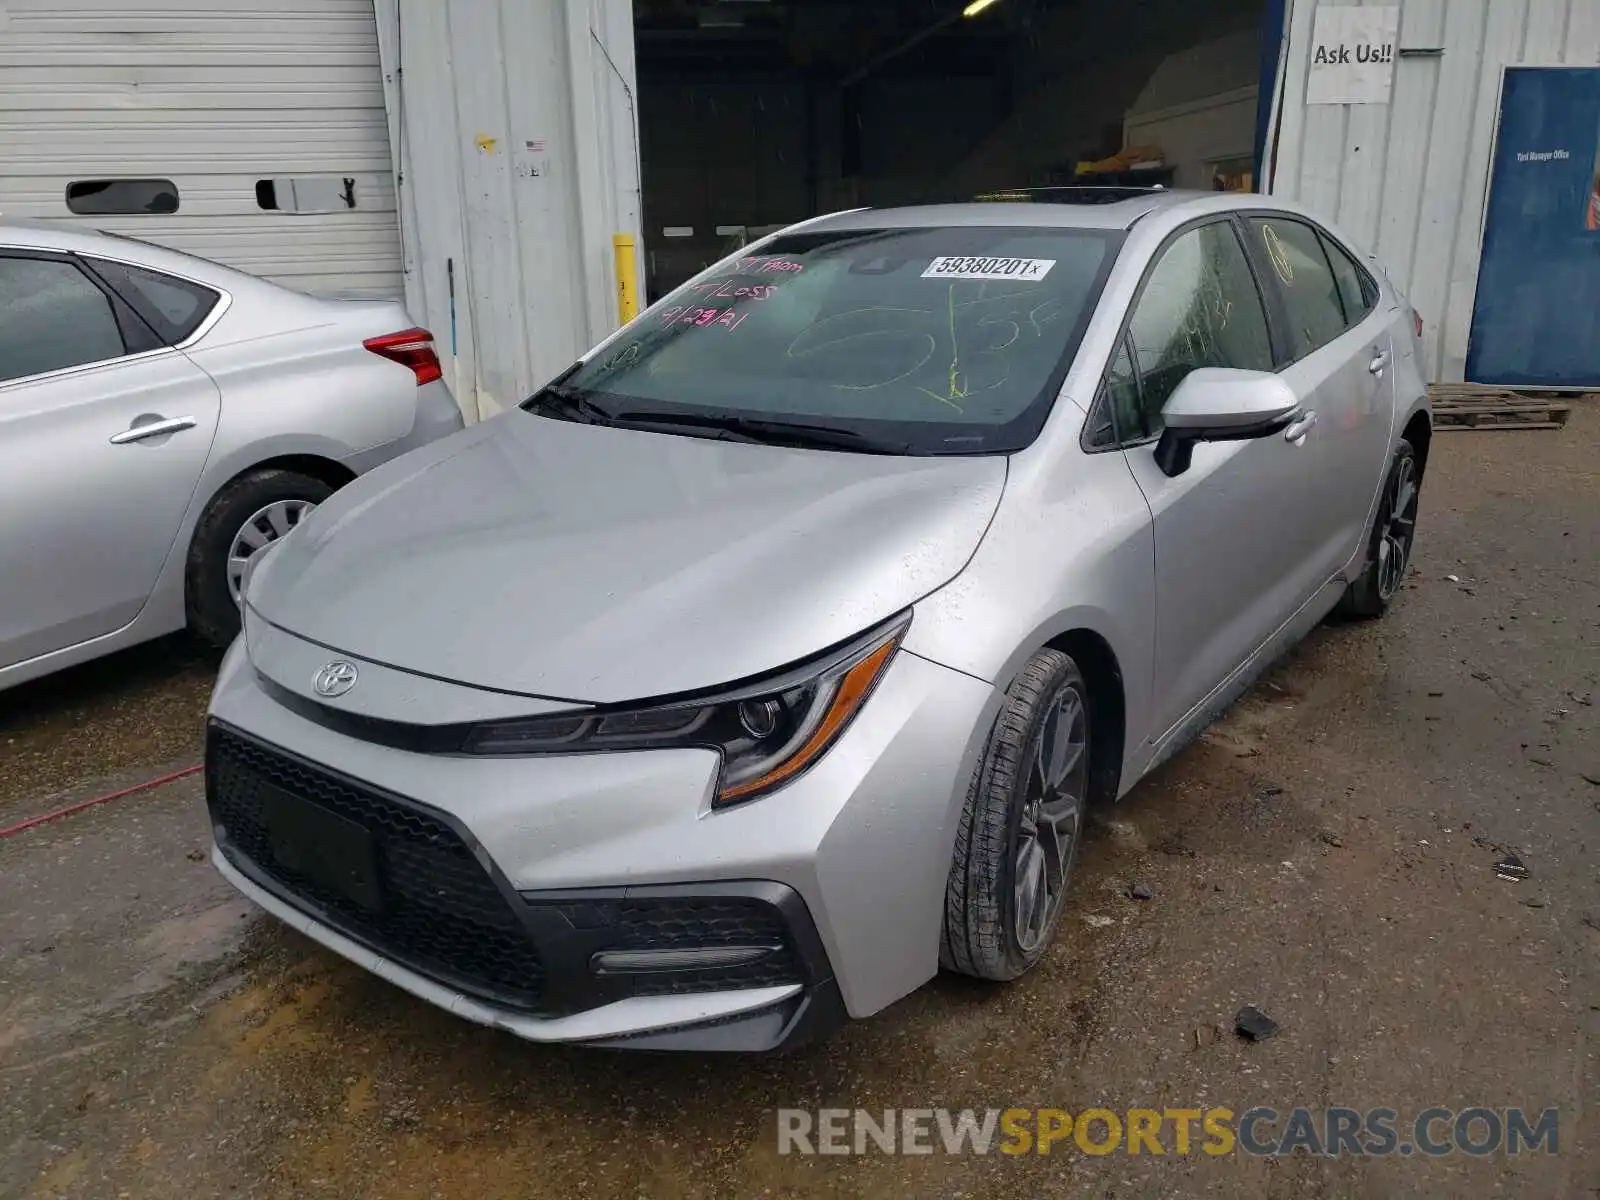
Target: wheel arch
column 1108, row 729
column 1419, row 432
column 327, row 471
column 319, row 467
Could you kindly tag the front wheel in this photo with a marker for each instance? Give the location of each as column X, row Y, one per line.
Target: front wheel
column 1393, row 537
column 243, row 519
column 1019, row 831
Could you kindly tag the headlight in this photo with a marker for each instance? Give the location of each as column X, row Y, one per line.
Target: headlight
column 768, row 733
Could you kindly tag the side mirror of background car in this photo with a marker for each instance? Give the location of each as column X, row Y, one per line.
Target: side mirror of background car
column 1220, row 404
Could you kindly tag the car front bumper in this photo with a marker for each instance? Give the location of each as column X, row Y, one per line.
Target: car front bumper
column 512, row 884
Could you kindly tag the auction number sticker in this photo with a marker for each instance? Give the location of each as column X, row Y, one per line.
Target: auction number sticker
column 1024, row 269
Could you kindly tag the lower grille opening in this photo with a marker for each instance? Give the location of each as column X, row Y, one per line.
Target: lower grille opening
column 431, row 906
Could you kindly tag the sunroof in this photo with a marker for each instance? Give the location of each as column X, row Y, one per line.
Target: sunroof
column 1068, row 194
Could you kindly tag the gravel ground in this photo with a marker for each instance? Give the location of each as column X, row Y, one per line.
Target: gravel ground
column 1326, row 853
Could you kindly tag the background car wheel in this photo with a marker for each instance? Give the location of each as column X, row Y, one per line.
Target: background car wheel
column 1019, row 831
column 1393, row 536
column 244, row 518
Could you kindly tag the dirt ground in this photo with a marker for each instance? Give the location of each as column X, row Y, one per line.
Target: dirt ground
column 1326, row 853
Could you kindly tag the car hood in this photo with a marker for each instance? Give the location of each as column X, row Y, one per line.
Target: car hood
column 601, row 565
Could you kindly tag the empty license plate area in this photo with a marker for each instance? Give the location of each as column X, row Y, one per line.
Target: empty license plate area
column 325, row 848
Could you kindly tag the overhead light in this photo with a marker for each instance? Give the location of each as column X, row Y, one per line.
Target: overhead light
column 976, row 7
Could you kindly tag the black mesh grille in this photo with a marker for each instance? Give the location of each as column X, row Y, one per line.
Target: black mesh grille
column 661, row 924
column 443, row 915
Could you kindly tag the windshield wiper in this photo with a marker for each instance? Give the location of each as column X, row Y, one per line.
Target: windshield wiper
column 767, row 432
column 568, row 404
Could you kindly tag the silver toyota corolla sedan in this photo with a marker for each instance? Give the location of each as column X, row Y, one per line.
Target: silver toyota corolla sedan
column 163, row 419
column 766, row 660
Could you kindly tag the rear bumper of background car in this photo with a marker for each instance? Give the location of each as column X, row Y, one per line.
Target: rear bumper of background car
column 511, row 886
column 438, row 416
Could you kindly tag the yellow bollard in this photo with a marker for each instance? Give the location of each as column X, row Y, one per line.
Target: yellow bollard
column 627, row 276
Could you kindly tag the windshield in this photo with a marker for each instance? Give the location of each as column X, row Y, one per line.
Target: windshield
column 919, row 341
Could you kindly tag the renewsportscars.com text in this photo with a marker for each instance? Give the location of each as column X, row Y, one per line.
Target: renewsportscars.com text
column 1260, row 1131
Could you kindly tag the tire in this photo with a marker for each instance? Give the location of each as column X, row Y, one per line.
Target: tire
column 988, row 932
column 1394, row 531
column 212, row 610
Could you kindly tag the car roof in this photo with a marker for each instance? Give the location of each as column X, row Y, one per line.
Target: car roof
column 1066, row 207
column 63, row 235
column 69, row 237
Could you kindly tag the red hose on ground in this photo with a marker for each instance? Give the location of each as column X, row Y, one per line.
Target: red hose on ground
column 72, row 809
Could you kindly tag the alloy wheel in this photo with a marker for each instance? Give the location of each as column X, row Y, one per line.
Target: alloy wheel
column 1052, row 816
column 266, row 526
column 1399, row 528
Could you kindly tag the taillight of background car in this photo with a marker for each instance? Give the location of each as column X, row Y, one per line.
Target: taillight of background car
column 410, row 348
column 1416, row 323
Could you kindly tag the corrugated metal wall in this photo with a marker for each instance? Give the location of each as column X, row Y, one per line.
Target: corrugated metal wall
column 1409, row 179
column 212, row 95
column 515, row 127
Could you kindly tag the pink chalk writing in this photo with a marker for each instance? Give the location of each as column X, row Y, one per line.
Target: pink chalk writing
column 727, row 318
column 727, row 289
column 770, row 266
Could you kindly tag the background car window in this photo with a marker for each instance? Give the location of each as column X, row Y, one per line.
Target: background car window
column 1354, row 290
column 175, row 308
column 1200, row 308
column 1310, row 292
column 52, row 316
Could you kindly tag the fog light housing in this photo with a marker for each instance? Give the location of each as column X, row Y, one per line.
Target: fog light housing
column 677, row 960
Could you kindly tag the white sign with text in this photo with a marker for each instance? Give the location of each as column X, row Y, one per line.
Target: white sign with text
column 1352, row 55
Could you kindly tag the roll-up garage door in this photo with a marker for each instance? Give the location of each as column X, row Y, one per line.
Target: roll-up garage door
column 248, row 132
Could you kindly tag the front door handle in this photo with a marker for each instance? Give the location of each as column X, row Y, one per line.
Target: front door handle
column 154, row 429
column 1301, row 429
column 1380, row 362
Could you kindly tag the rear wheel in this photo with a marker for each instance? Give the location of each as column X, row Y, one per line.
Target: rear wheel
column 246, row 517
column 1393, row 537
column 1019, row 831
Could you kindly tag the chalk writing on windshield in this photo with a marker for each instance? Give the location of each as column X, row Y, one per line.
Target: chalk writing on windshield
column 949, row 354
column 768, row 266
column 726, row 318
column 731, row 289
column 735, row 289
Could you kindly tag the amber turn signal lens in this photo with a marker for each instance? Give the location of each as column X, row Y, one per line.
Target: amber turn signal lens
column 853, row 690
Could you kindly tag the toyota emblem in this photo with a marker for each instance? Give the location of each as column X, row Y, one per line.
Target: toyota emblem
column 335, row 679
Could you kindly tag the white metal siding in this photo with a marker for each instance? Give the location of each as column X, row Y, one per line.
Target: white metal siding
column 518, row 135
column 213, row 95
column 1409, row 179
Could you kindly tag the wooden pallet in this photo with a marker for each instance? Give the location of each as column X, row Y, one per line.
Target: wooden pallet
column 1469, row 406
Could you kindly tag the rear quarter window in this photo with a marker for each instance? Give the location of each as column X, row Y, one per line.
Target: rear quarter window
column 1356, row 287
column 173, row 307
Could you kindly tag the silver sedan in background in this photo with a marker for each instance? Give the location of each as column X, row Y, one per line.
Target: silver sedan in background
column 162, row 420
column 810, row 611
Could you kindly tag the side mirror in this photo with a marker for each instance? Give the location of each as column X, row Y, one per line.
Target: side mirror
column 1220, row 404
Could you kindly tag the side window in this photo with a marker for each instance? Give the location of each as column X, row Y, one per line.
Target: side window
column 1310, row 292
column 174, row 308
column 1199, row 308
column 52, row 316
column 1355, row 289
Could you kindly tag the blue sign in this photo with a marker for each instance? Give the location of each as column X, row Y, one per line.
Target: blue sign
column 1537, row 318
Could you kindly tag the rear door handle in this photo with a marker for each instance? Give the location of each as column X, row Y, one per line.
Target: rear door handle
column 154, row 429
column 1380, row 362
column 1301, row 429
